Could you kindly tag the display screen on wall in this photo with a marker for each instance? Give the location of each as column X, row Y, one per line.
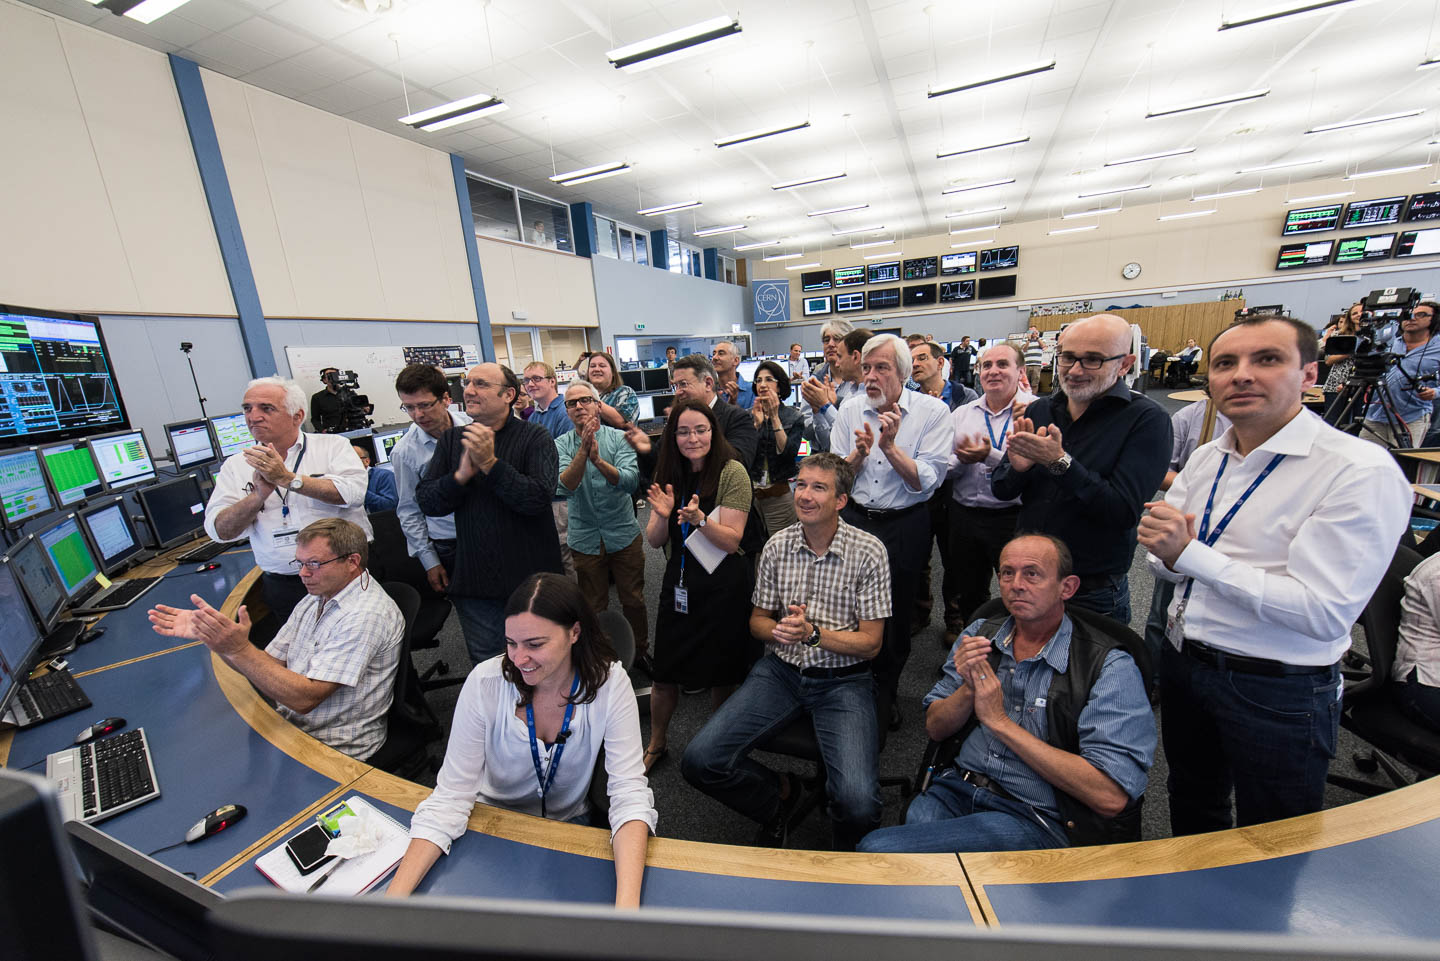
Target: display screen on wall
column 1373, row 213
column 883, row 273
column 849, row 276
column 55, row 377
column 1352, row 250
column 815, row 280
column 882, row 299
column 922, row 267
column 958, row 263
column 816, row 305
column 1424, row 207
column 1311, row 254
column 957, row 290
column 1418, row 243
column 918, row 294
column 1307, row 220
column 996, row 287
column 1000, row 258
column 848, row 303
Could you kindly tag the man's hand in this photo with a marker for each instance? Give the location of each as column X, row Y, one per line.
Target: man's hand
column 269, row 465
column 864, row 441
column 889, row 427
column 589, row 448
column 817, row 394
column 262, row 486
column 793, row 627
column 971, row 450
column 691, row 513
column 479, row 443
column 661, row 502
column 730, row 391
column 973, row 650
column 204, row 623
column 1165, row 532
column 1038, row 446
column 637, row 439
column 1426, row 393
column 439, row 580
column 989, row 698
column 1019, row 425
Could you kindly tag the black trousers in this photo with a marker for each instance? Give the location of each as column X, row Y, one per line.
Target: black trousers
column 939, row 509
column 906, row 536
column 977, row 535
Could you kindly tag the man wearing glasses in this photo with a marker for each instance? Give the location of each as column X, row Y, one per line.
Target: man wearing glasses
column 1084, row 460
column 497, row 475
column 425, row 399
column 549, row 412
column 331, row 669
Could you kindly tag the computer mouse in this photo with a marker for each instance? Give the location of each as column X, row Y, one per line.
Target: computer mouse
column 92, row 634
column 100, row 728
column 215, row 822
column 207, row 567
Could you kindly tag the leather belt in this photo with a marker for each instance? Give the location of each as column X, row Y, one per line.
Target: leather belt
column 985, row 782
column 876, row 514
column 1244, row 664
column 828, row 673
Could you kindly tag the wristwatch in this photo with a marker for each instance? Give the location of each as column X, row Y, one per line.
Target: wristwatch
column 703, row 521
column 296, row 482
column 1060, row 466
column 814, row 639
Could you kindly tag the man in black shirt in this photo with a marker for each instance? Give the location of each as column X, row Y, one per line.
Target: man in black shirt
column 327, row 410
column 497, row 475
column 1085, row 459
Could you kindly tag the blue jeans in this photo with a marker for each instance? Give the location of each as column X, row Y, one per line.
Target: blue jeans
column 1269, row 738
column 954, row 815
column 482, row 621
column 1111, row 598
column 1155, row 624
column 1420, row 702
column 842, row 709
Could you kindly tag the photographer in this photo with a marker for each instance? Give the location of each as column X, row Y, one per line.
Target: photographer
column 1410, row 380
column 327, row 407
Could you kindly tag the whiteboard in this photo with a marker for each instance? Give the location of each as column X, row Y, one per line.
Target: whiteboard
column 375, row 366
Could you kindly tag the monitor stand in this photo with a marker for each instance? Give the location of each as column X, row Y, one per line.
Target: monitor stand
column 62, row 640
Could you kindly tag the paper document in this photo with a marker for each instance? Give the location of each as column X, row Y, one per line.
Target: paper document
column 355, row 876
column 703, row 549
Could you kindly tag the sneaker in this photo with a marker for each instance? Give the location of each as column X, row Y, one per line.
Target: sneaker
column 772, row 833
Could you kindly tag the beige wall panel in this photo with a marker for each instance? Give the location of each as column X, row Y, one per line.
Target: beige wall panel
column 441, row 180
column 497, row 267
column 552, row 289
column 575, row 292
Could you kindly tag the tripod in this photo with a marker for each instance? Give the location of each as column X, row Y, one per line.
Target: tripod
column 186, row 346
column 1347, row 411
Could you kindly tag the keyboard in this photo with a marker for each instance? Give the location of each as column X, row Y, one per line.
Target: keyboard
column 101, row 779
column 49, row 696
column 119, row 594
column 205, row 552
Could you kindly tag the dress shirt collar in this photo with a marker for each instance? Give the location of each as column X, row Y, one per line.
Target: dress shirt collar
column 547, row 408
column 346, row 594
column 1297, row 437
column 1056, row 651
column 456, row 420
column 838, row 544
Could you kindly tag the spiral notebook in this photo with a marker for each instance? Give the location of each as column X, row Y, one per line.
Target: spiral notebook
column 354, row 876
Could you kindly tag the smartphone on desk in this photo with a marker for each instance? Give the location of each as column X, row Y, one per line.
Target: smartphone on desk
column 307, row 849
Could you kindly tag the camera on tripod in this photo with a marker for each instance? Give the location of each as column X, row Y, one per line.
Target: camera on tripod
column 355, row 406
column 1370, row 385
column 1385, row 310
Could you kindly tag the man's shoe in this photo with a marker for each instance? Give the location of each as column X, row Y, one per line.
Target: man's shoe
column 773, row 832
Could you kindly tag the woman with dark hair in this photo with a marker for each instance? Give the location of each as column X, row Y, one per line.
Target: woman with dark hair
column 702, row 634
column 618, row 403
column 779, row 426
column 557, row 695
column 1341, row 365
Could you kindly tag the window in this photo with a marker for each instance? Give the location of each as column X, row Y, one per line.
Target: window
column 547, row 224
column 493, row 208
column 499, row 210
column 727, row 270
column 621, row 242
column 607, row 240
column 686, row 259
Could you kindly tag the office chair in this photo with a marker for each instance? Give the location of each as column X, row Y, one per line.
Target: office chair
column 410, row 723
column 1369, row 710
column 622, row 641
column 390, row 560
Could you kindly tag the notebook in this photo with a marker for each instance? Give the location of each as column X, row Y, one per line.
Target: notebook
column 355, row 876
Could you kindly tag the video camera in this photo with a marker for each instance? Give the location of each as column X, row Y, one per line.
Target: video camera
column 1384, row 310
column 356, row 406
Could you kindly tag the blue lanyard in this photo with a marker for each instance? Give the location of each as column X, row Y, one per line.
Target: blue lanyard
column 545, row 778
column 285, row 496
column 997, row 444
column 1209, row 537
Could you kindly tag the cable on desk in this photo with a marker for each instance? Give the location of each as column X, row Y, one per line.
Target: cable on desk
column 167, row 847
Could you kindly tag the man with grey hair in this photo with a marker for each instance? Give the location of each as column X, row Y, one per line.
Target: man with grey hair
column 1084, row 460
column 694, row 378
column 898, row 442
column 827, row 387
column 732, row 388
column 271, row 491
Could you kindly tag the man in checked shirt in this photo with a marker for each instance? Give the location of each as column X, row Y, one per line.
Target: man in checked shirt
column 822, row 594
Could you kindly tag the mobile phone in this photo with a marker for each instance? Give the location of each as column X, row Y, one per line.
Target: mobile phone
column 307, row 849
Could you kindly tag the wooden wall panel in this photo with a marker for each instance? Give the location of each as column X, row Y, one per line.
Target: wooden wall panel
column 1166, row 327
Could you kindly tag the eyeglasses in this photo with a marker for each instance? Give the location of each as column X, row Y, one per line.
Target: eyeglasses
column 1089, row 361
column 419, row 408
column 313, row 566
column 685, row 432
column 579, row 402
column 535, row 378
column 479, row 384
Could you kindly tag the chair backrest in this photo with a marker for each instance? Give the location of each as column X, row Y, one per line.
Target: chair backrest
column 620, row 635
column 390, row 558
column 408, row 704
column 1380, row 620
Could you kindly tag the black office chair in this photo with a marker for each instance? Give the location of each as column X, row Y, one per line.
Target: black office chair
column 411, row 724
column 1369, row 710
column 390, row 560
column 622, row 641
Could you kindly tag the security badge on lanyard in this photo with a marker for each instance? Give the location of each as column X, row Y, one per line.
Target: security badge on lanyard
column 1175, row 623
column 544, row 777
column 286, row 535
column 682, row 594
column 996, row 443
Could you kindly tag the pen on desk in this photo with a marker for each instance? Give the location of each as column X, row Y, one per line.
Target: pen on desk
column 319, row 881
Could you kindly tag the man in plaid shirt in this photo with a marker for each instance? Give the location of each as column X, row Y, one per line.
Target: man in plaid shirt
column 822, row 594
column 331, row 669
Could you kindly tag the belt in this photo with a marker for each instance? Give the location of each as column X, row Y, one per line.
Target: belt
column 1242, row 664
column 876, row 514
column 444, row 543
column 986, row 782
column 828, row 673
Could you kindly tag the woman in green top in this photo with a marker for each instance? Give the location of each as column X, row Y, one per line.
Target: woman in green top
column 702, row 635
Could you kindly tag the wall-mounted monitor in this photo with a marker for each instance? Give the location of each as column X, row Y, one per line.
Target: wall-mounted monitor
column 1418, row 243
column 882, row 299
column 231, row 434
column 657, row 379
column 191, row 443
column 849, row 276
column 55, row 378
column 108, row 523
column 815, row 306
column 1353, row 250
column 633, row 379
column 175, row 510
column 1423, row 207
column 22, row 486
column 921, row 267
column 384, row 441
column 1373, row 213
column 991, row 287
column 886, row 273
column 918, row 294
column 123, row 458
column 71, row 470
column 815, row 280
column 961, row 263
column 1313, row 254
column 1000, row 258
column 957, row 290
column 1306, row 220
column 848, row 303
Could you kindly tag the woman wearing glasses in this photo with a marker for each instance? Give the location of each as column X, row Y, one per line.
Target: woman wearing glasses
column 702, row 635
column 618, row 403
column 779, row 426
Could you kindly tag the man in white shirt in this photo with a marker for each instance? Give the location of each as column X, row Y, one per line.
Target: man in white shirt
column 1188, row 361
column 269, row 492
column 898, row 441
column 425, row 398
column 1276, row 534
column 797, row 366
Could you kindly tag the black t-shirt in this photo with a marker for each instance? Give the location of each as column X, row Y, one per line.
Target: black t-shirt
column 327, row 412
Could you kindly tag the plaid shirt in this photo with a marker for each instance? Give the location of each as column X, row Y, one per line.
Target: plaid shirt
column 355, row 643
column 847, row 584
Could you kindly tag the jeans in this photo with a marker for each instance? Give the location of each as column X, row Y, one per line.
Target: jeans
column 1109, row 596
column 1418, row 701
column 717, row 761
column 954, row 815
column 482, row 621
column 1270, row 738
column 1155, row 625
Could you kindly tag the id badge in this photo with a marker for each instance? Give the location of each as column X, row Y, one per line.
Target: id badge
column 682, row 601
column 285, row 537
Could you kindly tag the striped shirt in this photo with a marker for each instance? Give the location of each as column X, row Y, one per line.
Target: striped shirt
column 1034, row 353
column 847, row 584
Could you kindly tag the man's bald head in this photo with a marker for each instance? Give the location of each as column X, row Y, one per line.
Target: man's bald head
column 1115, row 331
column 1103, row 340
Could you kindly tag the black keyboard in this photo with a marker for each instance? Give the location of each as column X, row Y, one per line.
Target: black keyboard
column 115, row 773
column 121, row 593
column 50, row 695
column 206, row 552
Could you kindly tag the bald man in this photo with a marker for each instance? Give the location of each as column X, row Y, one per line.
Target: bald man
column 732, row 388
column 1084, row 460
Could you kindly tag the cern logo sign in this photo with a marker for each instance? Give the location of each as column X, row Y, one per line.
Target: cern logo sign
column 772, row 301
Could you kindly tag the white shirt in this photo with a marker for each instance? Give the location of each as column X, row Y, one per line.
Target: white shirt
column 1419, row 645
column 488, row 758
column 1298, row 562
column 1185, row 426
column 797, row 369
column 1192, row 355
column 926, row 434
column 272, row 536
column 408, row 459
column 971, row 482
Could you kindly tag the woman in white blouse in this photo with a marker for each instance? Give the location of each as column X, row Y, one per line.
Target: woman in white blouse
column 528, row 726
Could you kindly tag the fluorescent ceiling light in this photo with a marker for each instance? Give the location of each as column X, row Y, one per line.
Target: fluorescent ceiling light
column 1074, row 230
column 144, row 11
column 1314, row 7
column 872, row 243
column 1314, row 198
column 1225, row 193
column 760, row 134
column 774, row 257
column 888, row 253
column 836, row 210
column 972, row 243
column 1177, row 152
column 980, row 186
column 1186, row 216
column 973, row 211
column 972, row 230
column 941, row 155
column 802, row 266
column 1026, row 71
column 791, row 184
column 668, row 208
column 1113, row 190
column 676, row 44
column 712, row 231
column 456, row 112
column 1429, row 62
column 1364, row 121
column 1090, row 213
column 1365, row 174
column 587, row 174
column 1214, row 103
column 857, row 230
column 756, row 246
column 1282, row 165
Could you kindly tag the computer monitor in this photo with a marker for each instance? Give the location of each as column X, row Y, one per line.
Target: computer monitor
column 663, row 403
column 634, row 379
column 646, row 410
column 18, row 641
column 57, row 381
column 39, row 581
column 108, row 524
column 70, row 468
column 657, row 379
column 747, row 369
column 175, row 510
column 191, row 443
column 22, row 487
column 70, row 555
column 231, row 434
column 123, row 458
column 385, row 441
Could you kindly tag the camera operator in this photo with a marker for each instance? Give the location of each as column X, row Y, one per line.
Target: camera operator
column 327, row 407
column 1420, row 361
